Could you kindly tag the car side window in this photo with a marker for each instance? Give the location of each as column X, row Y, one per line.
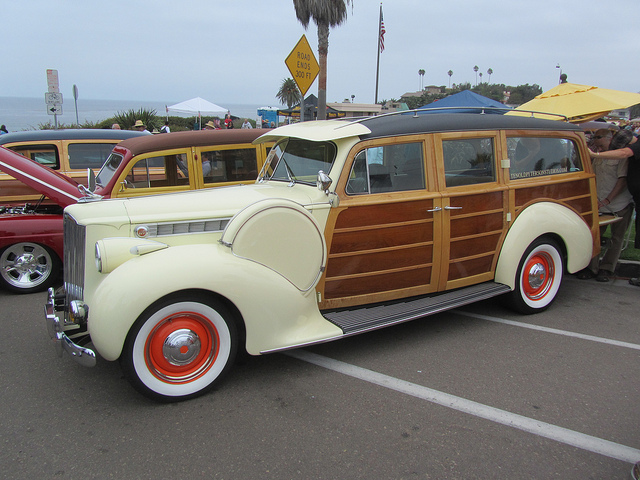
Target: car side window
column 88, row 155
column 468, row 161
column 160, row 171
column 46, row 155
column 538, row 156
column 232, row 165
column 388, row 168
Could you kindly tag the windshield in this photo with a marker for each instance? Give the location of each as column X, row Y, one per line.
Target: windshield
column 294, row 160
column 109, row 169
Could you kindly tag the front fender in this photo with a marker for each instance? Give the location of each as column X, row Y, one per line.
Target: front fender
column 544, row 218
column 276, row 314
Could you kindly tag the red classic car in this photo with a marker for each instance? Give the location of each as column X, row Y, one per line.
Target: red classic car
column 31, row 234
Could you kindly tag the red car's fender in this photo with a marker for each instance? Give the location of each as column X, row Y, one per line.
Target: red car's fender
column 44, row 229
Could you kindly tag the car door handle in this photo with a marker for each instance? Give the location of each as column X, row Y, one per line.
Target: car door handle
column 437, row 209
column 452, row 208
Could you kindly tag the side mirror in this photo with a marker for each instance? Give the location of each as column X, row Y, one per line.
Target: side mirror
column 323, row 181
column 91, row 180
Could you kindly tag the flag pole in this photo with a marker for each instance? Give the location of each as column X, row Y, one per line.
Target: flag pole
column 380, row 47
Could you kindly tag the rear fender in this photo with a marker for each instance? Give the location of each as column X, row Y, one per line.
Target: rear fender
column 539, row 219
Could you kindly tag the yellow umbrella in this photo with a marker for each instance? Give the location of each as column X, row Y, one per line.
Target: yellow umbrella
column 579, row 103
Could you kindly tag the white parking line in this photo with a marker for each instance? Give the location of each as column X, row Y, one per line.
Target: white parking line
column 566, row 333
column 553, row 432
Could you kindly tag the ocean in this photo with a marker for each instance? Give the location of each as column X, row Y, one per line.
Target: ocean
column 24, row 113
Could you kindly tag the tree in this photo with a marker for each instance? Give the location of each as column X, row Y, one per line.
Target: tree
column 289, row 94
column 475, row 69
column 450, row 72
column 325, row 14
column 490, row 72
column 523, row 93
column 421, row 72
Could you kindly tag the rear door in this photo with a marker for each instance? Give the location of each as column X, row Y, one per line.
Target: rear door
column 474, row 206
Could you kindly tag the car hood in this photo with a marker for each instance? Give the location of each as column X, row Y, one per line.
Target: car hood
column 59, row 188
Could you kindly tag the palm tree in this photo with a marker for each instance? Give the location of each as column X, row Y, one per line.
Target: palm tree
column 490, row 72
column 450, row 72
column 421, row 72
column 480, row 77
column 475, row 69
column 325, row 14
column 289, row 93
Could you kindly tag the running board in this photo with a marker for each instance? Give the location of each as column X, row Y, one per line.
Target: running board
column 361, row 319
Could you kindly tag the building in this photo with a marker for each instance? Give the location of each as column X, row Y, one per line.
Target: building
column 357, row 109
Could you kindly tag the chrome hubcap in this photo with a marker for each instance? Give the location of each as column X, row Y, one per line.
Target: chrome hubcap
column 25, row 265
column 181, row 347
column 537, row 275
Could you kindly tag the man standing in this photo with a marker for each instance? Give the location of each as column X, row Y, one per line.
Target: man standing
column 613, row 198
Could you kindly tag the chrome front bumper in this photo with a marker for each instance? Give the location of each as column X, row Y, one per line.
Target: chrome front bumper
column 61, row 340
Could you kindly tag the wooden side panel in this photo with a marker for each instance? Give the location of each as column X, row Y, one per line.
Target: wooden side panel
column 575, row 194
column 476, row 226
column 379, row 248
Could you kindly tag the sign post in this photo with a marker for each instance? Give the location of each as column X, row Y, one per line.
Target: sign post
column 75, row 98
column 53, row 98
column 304, row 67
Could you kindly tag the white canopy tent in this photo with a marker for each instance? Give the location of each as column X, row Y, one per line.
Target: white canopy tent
column 198, row 106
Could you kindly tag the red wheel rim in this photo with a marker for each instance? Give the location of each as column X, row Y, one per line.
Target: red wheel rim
column 538, row 275
column 196, row 344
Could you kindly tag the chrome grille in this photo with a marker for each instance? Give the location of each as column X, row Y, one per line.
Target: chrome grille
column 74, row 255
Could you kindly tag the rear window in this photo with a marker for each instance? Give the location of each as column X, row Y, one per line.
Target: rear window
column 539, row 156
column 46, row 155
column 88, row 155
column 233, row 165
column 468, row 161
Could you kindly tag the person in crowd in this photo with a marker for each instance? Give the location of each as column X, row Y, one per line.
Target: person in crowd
column 209, row 126
column 165, row 128
column 115, row 126
column 631, row 152
column 228, row 121
column 3, row 130
column 613, row 199
column 140, row 126
column 246, row 123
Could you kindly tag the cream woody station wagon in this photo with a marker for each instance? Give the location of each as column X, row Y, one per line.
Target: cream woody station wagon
column 351, row 226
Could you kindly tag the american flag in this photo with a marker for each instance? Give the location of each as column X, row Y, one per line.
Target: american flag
column 382, row 31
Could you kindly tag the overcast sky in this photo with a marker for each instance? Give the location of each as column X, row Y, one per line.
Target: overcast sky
column 234, row 51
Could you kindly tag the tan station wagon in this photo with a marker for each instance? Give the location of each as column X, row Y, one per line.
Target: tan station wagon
column 351, row 226
column 181, row 161
column 68, row 151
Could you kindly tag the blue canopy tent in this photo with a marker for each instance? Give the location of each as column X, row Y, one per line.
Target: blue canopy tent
column 466, row 102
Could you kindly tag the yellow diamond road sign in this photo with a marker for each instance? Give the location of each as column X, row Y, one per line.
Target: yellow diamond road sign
column 303, row 65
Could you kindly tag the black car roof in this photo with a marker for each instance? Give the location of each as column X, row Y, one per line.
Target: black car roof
column 68, row 134
column 413, row 122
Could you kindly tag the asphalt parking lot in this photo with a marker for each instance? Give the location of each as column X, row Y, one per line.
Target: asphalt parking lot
column 471, row 394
